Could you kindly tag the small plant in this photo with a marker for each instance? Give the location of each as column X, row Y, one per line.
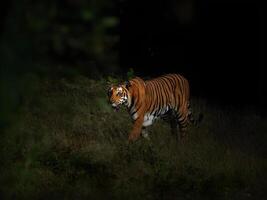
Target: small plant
column 112, row 80
column 130, row 73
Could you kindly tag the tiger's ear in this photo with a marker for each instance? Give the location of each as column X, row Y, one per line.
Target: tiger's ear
column 109, row 91
column 127, row 84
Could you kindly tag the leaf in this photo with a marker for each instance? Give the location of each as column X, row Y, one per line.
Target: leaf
column 86, row 15
column 110, row 22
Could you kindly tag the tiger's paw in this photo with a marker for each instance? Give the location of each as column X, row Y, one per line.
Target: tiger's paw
column 133, row 137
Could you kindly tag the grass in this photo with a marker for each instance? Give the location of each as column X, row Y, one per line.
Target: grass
column 67, row 143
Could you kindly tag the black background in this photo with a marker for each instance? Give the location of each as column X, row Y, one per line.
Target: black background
column 220, row 48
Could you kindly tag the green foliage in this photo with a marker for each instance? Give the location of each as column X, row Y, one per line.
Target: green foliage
column 81, row 32
column 130, row 74
column 112, row 80
column 67, row 143
column 45, row 38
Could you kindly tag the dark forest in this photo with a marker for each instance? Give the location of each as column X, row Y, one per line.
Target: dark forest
column 60, row 138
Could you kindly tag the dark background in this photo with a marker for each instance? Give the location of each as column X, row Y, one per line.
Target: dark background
column 218, row 45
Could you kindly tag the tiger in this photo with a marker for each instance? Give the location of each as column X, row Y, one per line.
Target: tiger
column 165, row 97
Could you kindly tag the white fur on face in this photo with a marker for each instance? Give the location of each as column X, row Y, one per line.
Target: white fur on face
column 119, row 89
column 113, row 105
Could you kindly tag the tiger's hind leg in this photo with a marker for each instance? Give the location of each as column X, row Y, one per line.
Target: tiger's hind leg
column 181, row 121
column 172, row 119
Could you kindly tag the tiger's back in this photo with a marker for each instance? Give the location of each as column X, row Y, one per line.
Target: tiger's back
column 171, row 90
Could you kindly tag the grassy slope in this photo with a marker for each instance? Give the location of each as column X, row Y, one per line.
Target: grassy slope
column 67, row 142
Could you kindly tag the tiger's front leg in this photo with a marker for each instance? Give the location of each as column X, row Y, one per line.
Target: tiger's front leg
column 137, row 129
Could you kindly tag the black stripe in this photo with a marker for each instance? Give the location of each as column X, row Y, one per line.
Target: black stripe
column 167, row 83
column 151, row 97
column 171, row 81
column 168, row 91
column 132, row 102
column 181, row 86
column 160, row 96
column 157, row 97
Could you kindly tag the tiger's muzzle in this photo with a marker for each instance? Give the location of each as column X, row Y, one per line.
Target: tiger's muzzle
column 115, row 106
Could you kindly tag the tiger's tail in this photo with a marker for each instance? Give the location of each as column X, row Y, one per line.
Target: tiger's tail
column 194, row 121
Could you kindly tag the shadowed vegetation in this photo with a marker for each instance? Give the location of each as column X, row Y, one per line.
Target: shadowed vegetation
column 67, row 142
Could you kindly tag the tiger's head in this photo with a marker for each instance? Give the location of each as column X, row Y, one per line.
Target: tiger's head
column 119, row 95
